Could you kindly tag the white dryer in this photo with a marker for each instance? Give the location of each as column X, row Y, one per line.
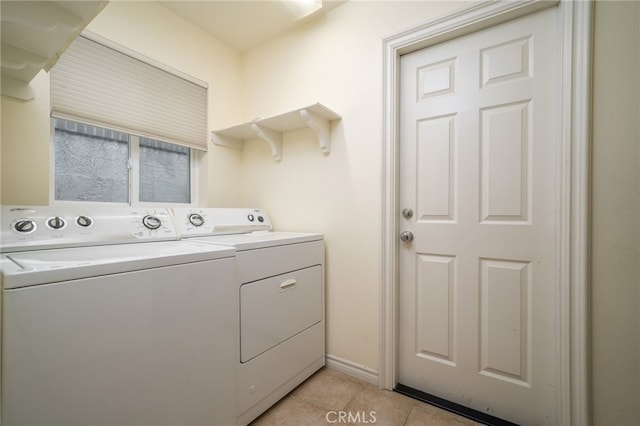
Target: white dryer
column 281, row 301
column 108, row 320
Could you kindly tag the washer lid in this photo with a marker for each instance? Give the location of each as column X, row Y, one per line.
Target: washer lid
column 29, row 268
column 260, row 239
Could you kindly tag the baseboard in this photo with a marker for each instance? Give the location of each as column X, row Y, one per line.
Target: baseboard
column 351, row 368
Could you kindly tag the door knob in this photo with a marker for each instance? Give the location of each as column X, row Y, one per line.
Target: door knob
column 407, row 213
column 406, row 236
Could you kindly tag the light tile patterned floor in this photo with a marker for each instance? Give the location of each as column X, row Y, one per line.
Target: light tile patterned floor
column 333, row 398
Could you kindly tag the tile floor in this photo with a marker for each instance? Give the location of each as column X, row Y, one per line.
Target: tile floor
column 332, row 397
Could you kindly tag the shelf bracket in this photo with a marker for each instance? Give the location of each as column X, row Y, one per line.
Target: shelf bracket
column 228, row 141
column 17, row 89
column 321, row 126
column 272, row 137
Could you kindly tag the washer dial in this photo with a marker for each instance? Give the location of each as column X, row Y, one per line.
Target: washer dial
column 84, row 221
column 56, row 223
column 196, row 219
column 24, row 226
column 151, row 222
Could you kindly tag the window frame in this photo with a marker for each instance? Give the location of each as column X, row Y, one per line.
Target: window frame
column 134, row 175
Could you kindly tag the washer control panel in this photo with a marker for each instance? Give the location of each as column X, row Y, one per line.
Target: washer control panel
column 40, row 227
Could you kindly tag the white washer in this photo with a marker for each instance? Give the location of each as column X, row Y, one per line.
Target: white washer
column 281, row 296
column 104, row 323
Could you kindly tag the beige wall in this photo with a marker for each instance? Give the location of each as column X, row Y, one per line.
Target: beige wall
column 616, row 214
column 337, row 60
column 25, row 147
column 154, row 31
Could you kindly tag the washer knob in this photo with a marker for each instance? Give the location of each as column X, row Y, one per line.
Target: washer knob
column 250, row 217
column 25, row 226
column 84, row 221
column 56, row 222
column 151, row 222
column 196, row 219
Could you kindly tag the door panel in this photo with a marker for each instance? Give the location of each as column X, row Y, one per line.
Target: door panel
column 478, row 285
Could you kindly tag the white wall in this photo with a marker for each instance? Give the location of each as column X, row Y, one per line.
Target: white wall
column 154, row 31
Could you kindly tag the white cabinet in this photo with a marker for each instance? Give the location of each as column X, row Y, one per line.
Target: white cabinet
column 34, row 35
column 317, row 117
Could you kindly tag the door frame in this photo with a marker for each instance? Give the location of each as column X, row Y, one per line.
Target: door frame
column 573, row 216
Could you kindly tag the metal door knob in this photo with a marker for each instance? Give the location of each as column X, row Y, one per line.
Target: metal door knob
column 407, row 213
column 406, row 236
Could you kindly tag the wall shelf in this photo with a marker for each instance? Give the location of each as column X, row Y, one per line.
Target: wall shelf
column 316, row 117
column 34, row 35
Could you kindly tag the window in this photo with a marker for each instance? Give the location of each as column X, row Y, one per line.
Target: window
column 96, row 164
column 127, row 129
column 164, row 172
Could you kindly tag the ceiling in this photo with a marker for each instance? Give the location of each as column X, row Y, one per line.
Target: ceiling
column 243, row 24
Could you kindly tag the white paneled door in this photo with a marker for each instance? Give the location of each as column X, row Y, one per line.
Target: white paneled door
column 478, row 296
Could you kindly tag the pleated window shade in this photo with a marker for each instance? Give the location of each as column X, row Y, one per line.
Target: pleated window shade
column 97, row 84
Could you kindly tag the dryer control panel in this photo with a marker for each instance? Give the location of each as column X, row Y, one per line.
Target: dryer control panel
column 202, row 222
column 42, row 227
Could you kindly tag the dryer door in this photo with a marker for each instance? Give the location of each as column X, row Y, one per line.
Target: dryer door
column 277, row 308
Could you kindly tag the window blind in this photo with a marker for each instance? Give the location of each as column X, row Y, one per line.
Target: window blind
column 98, row 84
